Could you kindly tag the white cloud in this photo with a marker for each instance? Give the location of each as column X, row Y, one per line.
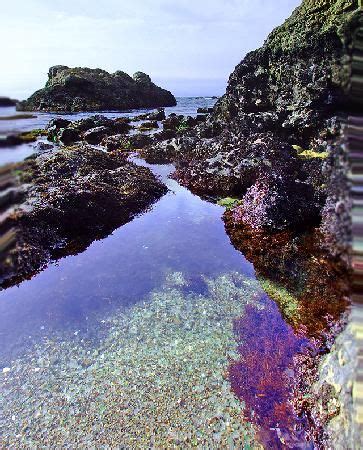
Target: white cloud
column 184, row 39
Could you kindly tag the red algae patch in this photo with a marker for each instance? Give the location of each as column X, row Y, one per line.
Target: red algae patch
column 263, row 375
column 302, row 265
column 281, row 347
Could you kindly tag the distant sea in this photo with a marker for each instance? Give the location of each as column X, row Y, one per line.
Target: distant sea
column 185, row 105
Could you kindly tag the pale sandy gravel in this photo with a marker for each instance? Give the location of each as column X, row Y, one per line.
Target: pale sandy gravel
column 157, row 380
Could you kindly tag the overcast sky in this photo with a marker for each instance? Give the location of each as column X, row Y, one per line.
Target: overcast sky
column 187, row 46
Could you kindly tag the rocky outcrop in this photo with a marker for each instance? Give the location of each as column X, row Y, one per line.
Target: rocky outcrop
column 91, row 130
column 155, row 115
column 83, row 89
column 280, row 117
column 6, row 101
column 73, row 196
column 331, row 399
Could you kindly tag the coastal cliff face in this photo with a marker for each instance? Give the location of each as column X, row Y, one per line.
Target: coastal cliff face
column 295, row 75
column 83, row 89
column 273, row 141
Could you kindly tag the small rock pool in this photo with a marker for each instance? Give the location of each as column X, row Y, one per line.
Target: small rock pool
column 158, row 336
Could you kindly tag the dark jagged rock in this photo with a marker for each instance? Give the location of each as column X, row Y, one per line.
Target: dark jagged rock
column 95, row 135
column 154, row 115
column 122, row 142
column 92, row 129
column 295, row 75
column 157, row 115
column 58, row 123
column 6, row 101
column 274, row 203
column 204, row 110
column 74, row 195
column 178, row 123
column 41, row 146
column 83, row 89
column 68, row 136
column 149, row 125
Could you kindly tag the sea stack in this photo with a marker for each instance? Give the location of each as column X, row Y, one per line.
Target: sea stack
column 84, row 89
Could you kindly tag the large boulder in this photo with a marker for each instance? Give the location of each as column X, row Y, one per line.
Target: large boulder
column 68, row 136
column 84, row 89
column 95, row 135
column 73, row 196
column 6, row 101
column 275, row 204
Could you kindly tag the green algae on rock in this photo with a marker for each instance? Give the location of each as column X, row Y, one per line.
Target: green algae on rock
column 156, row 379
column 288, row 303
column 227, row 202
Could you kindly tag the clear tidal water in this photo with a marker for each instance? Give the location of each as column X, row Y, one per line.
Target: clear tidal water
column 180, row 233
column 162, row 295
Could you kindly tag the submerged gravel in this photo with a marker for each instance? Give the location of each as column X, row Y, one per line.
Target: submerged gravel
column 157, row 379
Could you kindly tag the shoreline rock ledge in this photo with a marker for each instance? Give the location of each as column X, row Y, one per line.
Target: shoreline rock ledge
column 83, row 89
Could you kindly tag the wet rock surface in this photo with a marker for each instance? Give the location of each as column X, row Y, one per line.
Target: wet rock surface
column 74, row 195
column 332, row 401
column 84, row 89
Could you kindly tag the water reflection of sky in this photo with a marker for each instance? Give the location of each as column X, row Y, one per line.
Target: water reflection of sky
column 180, row 233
